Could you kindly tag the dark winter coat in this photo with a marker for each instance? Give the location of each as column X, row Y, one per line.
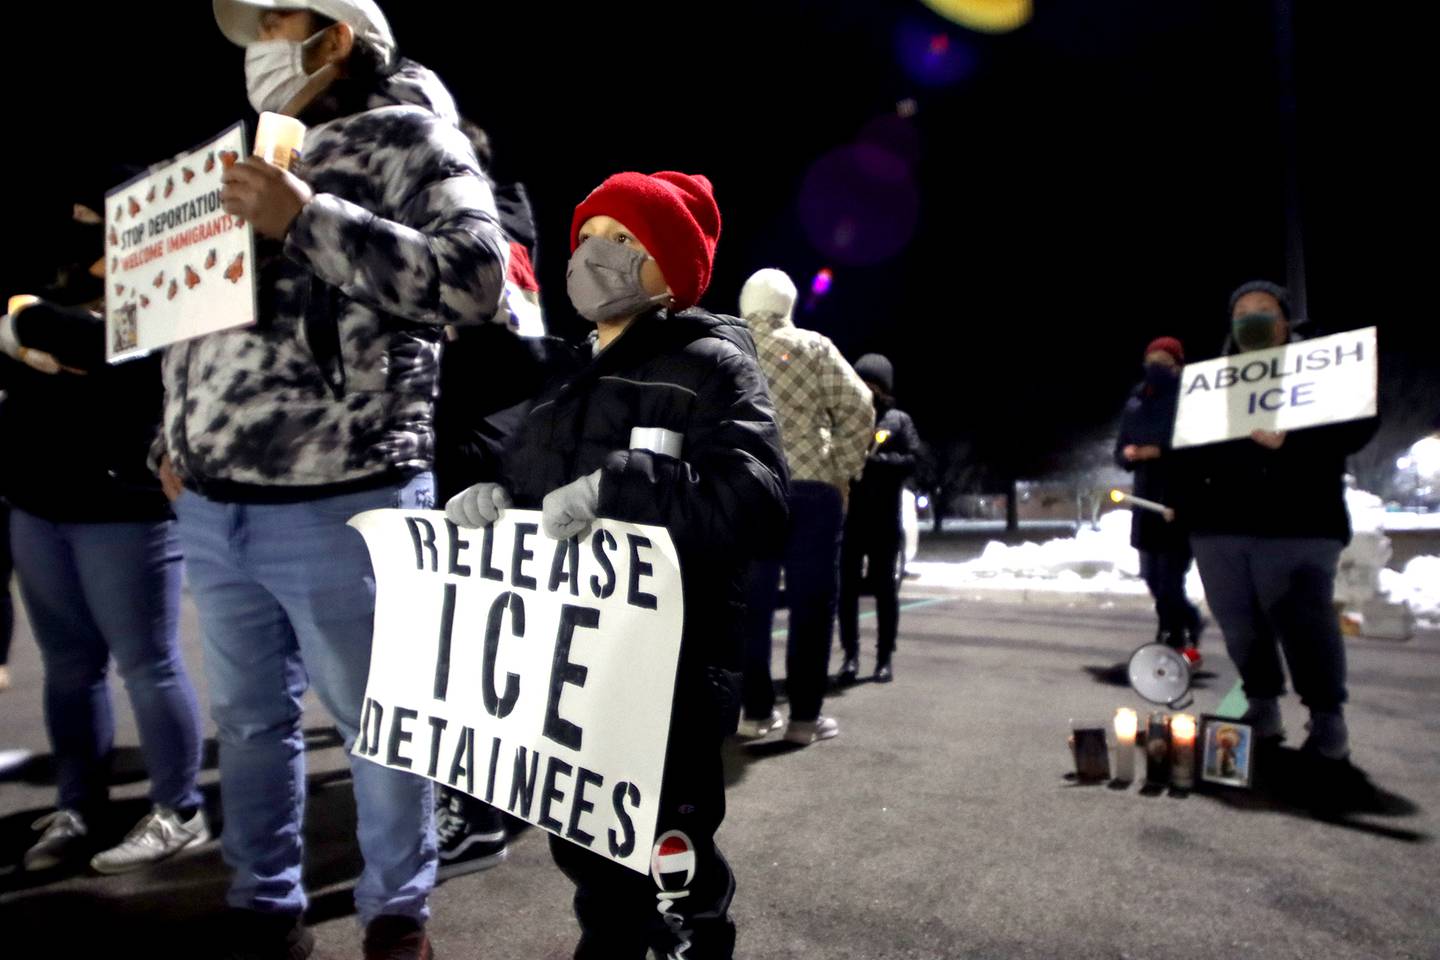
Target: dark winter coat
column 722, row 499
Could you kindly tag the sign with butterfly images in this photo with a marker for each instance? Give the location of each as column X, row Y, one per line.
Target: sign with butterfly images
column 177, row 266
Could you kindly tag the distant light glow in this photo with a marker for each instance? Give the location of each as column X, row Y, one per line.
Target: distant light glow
column 986, row 16
column 821, row 284
column 922, row 502
column 1117, row 496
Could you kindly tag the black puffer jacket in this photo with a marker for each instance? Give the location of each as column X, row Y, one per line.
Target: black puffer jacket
column 76, row 445
column 875, row 497
column 1149, row 420
column 723, row 500
column 1245, row 489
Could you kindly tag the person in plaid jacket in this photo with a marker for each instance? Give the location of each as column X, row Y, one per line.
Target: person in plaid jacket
column 826, row 419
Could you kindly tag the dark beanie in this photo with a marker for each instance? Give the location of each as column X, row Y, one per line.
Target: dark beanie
column 874, row 368
column 1281, row 295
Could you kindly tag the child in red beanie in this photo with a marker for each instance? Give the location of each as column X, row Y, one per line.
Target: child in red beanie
column 670, row 424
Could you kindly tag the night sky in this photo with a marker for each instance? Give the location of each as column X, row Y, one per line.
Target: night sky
column 1104, row 175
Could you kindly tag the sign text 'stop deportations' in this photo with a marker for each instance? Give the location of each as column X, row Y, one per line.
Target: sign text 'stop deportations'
column 176, row 264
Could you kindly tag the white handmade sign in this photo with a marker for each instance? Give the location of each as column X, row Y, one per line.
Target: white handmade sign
column 177, row 265
column 1307, row 384
column 534, row 674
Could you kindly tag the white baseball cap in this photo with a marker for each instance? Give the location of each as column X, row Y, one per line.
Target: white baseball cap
column 240, row 19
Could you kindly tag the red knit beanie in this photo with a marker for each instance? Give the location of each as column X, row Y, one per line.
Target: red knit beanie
column 673, row 214
column 1167, row 345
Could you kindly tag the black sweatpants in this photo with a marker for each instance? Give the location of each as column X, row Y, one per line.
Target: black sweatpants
column 682, row 910
column 1164, row 573
column 880, row 542
column 1269, row 594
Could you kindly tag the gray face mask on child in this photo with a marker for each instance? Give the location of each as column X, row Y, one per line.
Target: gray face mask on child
column 603, row 281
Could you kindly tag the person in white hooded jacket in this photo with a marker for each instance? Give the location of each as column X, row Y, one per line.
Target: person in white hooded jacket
column 826, row 418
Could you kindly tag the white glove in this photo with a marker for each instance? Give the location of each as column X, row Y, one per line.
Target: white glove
column 478, row 506
column 568, row 511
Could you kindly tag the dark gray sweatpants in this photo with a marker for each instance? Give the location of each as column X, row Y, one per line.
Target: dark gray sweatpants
column 1269, row 594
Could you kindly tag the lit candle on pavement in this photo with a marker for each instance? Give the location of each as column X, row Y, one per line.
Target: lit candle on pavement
column 1182, row 746
column 1125, row 724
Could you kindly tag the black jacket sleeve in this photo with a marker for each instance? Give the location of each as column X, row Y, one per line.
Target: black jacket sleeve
column 728, row 494
column 72, row 335
column 897, row 456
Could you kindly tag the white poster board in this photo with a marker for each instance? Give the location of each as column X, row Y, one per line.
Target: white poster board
column 534, row 674
column 176, row 264
column 1307, row 384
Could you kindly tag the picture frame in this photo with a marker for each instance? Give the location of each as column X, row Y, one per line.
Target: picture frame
column 1226, row 753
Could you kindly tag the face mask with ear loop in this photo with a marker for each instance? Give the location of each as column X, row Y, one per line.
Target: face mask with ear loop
column 275, row 72
column 603, row 280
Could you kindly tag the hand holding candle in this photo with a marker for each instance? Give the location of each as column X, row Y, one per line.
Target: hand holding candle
column 1129, row 499
column 278, row 138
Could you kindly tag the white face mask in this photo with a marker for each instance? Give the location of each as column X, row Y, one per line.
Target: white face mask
column 275, row 72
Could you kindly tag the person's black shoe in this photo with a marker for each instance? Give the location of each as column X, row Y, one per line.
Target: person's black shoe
column 252, row 935
column 1174, row 639
column 1194, row 632
column 850, row 671
column 397, row 938
column 470, row 834
column 883, row 673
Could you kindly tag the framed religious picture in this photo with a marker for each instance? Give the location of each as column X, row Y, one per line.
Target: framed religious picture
column 1226, row 752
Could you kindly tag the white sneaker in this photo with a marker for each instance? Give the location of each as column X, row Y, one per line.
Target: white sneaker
column 4, row 678
column 160, row 835
column 64, row 835
column 755, row 729
column 806, row 733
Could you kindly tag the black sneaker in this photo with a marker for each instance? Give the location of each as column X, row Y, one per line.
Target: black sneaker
column 397, row 938
column 471, row 835
column 253, row 935
column 849, row 671
column 883, row 672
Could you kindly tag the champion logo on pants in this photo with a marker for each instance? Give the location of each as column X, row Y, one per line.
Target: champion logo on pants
column 672, row 861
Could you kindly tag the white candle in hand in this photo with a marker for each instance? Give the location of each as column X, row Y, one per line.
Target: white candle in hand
column 1125, row 723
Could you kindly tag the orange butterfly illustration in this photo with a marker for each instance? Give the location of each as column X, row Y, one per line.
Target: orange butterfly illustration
column 210, row 162
column 159, row 279
column 236, row 270
column 134, row 207
column 174, row 289
column 228, row 158
column 150, row 197
column 144, row 300
column 119, row 289
column 192, row 279
column 187, row 174
column 169, row 186
column 210, row 259
column 114, row 240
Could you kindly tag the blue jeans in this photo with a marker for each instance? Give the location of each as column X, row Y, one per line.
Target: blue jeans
column 812, row 579
column 286, row 596
column 96, row 590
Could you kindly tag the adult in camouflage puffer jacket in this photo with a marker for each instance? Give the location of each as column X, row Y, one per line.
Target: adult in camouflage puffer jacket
column 283, row 431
